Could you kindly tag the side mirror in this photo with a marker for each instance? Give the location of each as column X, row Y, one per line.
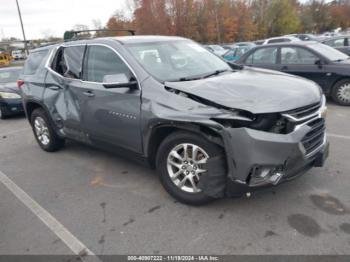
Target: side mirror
column 235, row 66
column 319, row 63
column 118, row 81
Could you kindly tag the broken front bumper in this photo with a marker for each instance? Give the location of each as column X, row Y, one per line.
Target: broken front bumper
column 258, row 159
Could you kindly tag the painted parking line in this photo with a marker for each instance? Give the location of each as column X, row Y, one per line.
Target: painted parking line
column 338, row 136
column 52, row 223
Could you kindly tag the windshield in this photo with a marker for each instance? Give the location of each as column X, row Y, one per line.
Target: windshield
column 8, row 76
column 176, row 60
column 329, row 52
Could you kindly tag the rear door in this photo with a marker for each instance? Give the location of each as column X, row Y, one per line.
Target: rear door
column 302, row 62
column 265, row 57
column 34, row 76
column 111, row 116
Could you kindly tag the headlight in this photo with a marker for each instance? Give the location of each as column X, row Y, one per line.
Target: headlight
column 9, row 95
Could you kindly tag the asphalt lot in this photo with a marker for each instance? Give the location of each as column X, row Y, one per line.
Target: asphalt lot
column 114, row 206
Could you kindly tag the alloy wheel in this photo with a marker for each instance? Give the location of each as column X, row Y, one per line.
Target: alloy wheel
column 41, row 130
column 185, row 165
column 343, row 93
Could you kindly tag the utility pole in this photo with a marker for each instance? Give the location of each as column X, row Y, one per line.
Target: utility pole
column 24, row 36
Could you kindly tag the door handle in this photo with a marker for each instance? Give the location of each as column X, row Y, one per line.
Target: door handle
column 89, row 93
column 54, row 87
column 284, row 68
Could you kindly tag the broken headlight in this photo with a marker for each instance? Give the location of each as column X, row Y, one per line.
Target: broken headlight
column 265, row 122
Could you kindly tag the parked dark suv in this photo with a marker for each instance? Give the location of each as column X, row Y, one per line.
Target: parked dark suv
column 210, row 129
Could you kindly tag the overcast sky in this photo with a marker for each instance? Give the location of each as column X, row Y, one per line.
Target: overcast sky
column 53, row 17
column 43, row 18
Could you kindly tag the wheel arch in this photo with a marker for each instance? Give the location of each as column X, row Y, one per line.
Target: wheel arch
column 30, row 106
column 159, row 132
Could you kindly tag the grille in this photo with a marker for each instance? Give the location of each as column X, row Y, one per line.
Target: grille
column 315, row 137
column 303, row 113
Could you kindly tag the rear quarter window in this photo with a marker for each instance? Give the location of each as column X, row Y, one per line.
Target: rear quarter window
column 34, row 61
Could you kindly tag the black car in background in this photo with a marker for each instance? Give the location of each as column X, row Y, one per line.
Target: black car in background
column 10, row 97
column 318, row 62
column 340, row 43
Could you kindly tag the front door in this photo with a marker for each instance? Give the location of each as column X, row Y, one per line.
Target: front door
column 110, row 115
column 302, row 62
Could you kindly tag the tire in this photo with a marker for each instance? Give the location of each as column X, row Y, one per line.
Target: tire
column 44, row 134
column 176, row 142
column 341, row 92
column 2, row 114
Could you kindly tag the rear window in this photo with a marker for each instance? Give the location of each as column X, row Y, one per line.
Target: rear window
column 33, row 62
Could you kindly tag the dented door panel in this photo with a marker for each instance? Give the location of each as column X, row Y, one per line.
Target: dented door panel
column 61, row 97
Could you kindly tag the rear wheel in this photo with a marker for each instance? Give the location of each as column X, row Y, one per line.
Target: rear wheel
column 45, row 135
column 181, row 161
column 341, row 92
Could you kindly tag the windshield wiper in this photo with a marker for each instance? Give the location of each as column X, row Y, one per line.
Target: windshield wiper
column 197, row 77
column 216, row 72
column 188, row 78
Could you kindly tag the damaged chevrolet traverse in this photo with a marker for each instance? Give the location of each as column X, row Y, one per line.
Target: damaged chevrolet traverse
column 211, row 129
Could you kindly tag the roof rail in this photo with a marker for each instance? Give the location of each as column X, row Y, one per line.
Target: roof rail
column 74, row 35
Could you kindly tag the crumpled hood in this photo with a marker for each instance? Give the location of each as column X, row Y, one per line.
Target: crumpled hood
column 9, row 87
column 255, row 90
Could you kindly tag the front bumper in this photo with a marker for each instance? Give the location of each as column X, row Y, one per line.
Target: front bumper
column 11, row 106
column 247, row 149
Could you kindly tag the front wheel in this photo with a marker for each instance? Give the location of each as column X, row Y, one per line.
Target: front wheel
column 45, row 135
column 341, row 92
column 181, row 162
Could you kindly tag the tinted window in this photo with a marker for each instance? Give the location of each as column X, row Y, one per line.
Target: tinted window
column 102, row 61
column 33, row 62
column 263, row 56
column 297, row 55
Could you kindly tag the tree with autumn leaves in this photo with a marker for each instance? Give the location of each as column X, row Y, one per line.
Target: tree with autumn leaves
column 225, row 21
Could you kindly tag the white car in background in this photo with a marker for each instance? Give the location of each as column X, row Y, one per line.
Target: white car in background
column 18, row 54
column 281, row 39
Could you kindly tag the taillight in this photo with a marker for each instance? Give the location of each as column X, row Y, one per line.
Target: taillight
column 20, row 83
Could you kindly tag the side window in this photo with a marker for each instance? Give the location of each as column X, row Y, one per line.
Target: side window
column 33, row 62
column 68, row 61
column 263, row 56
column 336, row 42
column 74, row 58
column 102, row 61
column 296, row 55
